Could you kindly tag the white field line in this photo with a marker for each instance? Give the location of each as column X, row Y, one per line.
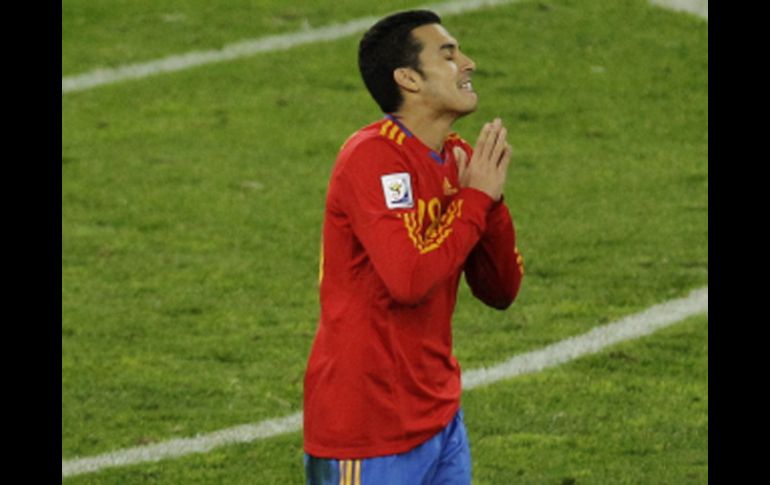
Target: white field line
column 697, row 7
column 245, row 48
column 183, row 446
column 631, row 327
column 99, row 77
column 628, row 328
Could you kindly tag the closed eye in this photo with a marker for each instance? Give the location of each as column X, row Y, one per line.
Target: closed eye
column 449, row 49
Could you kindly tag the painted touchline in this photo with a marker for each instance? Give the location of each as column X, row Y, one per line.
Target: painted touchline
column 99, row 77
column 697, row 7
column 630, row 327
column 245, row 48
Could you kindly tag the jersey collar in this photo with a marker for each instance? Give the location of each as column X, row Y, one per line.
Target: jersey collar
column 432, row 153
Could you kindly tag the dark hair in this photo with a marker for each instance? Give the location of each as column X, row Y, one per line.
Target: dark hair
column 386, row 46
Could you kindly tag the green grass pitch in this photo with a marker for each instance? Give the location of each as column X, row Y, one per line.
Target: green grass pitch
column 192, row 204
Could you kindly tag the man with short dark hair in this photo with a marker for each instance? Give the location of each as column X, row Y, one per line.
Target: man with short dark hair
column 410, row 206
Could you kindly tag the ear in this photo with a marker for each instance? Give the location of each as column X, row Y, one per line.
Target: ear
column 407, row 79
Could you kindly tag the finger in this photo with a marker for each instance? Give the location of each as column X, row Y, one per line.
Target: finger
column 505, row 159
column 492, row 134
column 482, row 141
column 497, row 141
column 500, row 143
column 495, row 135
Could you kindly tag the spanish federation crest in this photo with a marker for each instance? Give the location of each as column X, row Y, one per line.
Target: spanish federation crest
column 398, row 190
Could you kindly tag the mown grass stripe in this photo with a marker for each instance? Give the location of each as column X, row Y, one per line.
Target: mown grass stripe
column 100, row 77
column 631, row 327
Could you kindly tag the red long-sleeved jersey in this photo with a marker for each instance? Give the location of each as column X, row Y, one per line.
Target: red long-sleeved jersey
column 398, row 231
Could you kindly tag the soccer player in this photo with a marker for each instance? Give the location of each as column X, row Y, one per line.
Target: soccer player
column 410, row 206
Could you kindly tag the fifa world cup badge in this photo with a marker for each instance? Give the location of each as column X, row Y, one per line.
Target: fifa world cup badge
column 398, row 190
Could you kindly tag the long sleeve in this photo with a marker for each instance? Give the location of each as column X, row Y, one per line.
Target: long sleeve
column 494, row 268
column 416, row 247
column 396, row 235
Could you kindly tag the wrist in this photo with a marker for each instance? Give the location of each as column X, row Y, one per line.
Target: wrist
column 474, row 194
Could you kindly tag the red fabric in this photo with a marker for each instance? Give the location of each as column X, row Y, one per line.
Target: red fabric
column 381, row 378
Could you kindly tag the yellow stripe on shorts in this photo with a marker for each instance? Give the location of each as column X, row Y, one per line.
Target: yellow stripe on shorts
column 350, row 472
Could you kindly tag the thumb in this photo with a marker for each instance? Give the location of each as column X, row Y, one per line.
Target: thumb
column 461, row 157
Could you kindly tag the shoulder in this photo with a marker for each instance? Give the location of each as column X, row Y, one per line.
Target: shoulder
column 369, row 163
column 372, row 148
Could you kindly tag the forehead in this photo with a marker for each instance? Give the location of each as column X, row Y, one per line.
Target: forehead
column 433, row 37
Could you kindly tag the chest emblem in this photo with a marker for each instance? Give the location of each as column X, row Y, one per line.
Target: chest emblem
column 448, row 189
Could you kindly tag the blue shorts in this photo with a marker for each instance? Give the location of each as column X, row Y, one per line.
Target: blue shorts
column 444, row 459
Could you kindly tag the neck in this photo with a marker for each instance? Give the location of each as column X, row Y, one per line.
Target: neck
column 431, row 130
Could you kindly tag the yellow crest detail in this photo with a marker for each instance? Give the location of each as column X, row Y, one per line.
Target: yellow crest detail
column 428, row 237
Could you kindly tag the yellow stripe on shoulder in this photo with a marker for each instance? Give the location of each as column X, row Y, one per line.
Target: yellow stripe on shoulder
column 392, row 131
column 385, row 127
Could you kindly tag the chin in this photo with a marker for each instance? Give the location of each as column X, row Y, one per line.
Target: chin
column 471, row 105
column 466, row 110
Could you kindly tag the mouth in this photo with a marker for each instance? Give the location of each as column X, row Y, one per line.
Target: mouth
column 466, row 85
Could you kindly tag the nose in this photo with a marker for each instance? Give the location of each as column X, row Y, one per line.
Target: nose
column 468, row 64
